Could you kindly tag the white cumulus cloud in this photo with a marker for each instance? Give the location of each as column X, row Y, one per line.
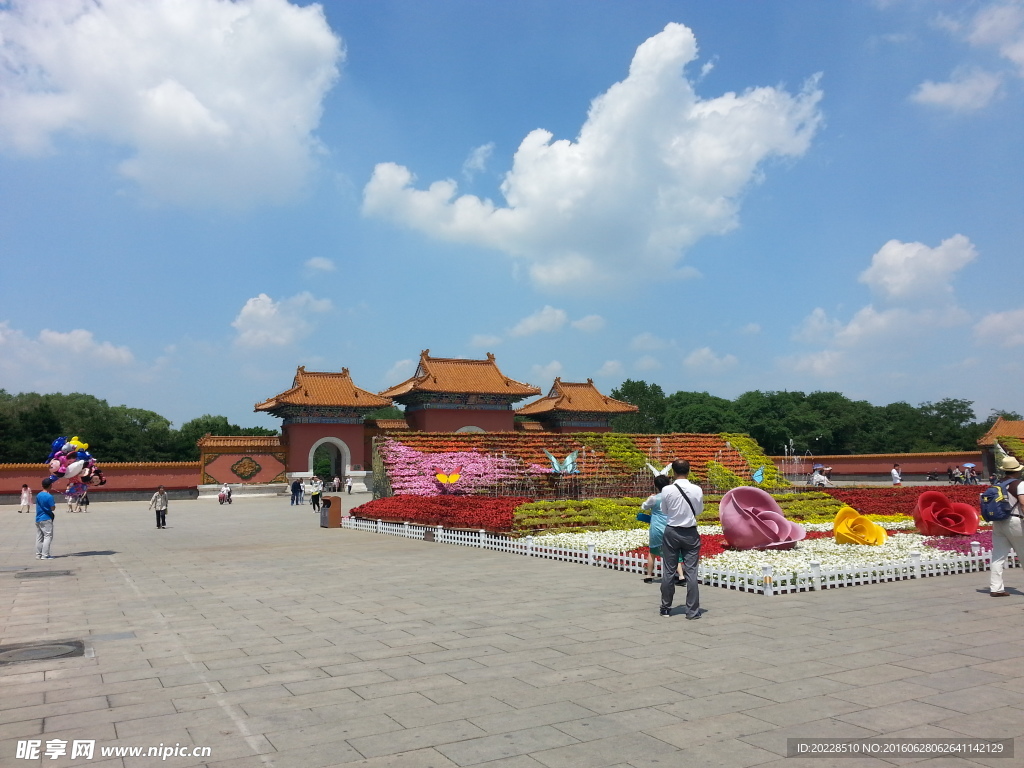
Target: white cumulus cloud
column 547, row 372
column 589, row 324
column 704, row 360
column 214, row 102
column 1004, row 329
column 482, row 340
column 654, row 169
column 320, row 264
column 610, row 368
column 263, row 322
column 476, row 162
column 903, row 272
column 546, row 320
column 647, row 342
column 400, row 371
column 965, row 91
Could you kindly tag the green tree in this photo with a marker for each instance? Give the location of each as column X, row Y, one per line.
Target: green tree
column 700, row 412
column 650, row 399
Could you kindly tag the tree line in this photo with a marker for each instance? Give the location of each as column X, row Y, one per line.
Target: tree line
column 824, row 423
column 29, row 422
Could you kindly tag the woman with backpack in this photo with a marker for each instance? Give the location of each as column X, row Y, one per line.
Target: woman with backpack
column 1007, row 534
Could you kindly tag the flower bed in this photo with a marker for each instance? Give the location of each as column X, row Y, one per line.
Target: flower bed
column 476, row 512
column 900, row 500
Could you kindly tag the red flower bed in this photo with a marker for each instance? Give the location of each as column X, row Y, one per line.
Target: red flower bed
column 476, row 512
column 900, row 500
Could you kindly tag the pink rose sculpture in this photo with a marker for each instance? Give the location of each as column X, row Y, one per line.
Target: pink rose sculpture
column 936, row 515
column 752, row 519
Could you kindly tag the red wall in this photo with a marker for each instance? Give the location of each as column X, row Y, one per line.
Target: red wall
column 443, row 420
column 302, row 437
column 220, row 468
column 881, row 463
column 120, row 477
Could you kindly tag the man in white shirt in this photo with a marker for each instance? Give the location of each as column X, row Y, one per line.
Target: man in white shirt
column 681, row 503
column 897, row 475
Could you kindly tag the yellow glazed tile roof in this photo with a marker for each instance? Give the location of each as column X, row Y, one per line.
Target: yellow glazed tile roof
column 452, row 375
column 323, row 388
column 1002, row 428
column 575, row 397
column 239, row 441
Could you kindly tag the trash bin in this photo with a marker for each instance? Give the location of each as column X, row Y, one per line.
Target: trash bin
column 330, row 512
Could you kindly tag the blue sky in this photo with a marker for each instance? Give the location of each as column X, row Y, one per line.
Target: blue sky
column 198, row 196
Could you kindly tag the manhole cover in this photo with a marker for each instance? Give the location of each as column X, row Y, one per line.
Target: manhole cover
column 40, row 574
column 9, row 654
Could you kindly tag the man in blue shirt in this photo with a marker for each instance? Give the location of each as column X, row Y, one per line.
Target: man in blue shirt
column 44, row 521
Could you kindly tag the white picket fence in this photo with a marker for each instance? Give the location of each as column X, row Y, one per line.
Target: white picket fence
column 768, row 582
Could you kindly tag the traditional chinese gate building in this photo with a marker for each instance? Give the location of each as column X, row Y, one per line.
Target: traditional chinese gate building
column 575, row 407
column 453, row 395
column 324, row 409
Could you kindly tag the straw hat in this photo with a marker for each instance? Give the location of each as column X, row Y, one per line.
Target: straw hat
column 1010, row 464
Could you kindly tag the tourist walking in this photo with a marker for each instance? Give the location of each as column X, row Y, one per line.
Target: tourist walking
column 45, row 513
column 296, row 492
column 336, row 484
column 1007, row 534
column 348, row 484
column 316, row 488
column 681, row 502
column 26, row 499
column 159, row 503
column 897, row 475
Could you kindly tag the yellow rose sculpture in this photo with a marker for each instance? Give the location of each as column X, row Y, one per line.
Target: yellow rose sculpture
column 851, row 527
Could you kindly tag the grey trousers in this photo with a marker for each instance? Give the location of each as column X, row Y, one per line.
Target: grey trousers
column 44, row 535
column 680, row 544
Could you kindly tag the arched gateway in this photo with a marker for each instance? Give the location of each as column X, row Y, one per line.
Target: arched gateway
column 324, row 409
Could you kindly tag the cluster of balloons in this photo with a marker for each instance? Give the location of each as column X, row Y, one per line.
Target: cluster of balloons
column 71, row 459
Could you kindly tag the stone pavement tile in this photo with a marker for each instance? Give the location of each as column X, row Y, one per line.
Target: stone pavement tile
column 803, row 688
column 481, row 750
column 276, row 678
column 722, row 754
column 210, row 699
column 392, row 687
column 601, row 658
column 783, row 673
column 997, row 651
column 624, row 682
column 113, row 715
column 881, row 694
column 21, row 728
column 314, row 756
column 716, row 665
column 40, row 709
column 528, row 696
column 267, row 706
column 999, row 722
column 718, row 728
column 340, row 730
column 531, row 717
column 895, row 717
column 448, row 654
column 327, row 683
column 861, row 659
column 456, row 710
column 955, row 679
column 827, row 762
column 564, row 677
column 599, row 753
column 409, row 671
column 627, row 721
column 638, row 699
column 540, row 654
column 803, row 710
column 977, row 699
column 707, row 686
column 939, row 662
column 481, row 673
column 355, row 667
column 156, row 693
column 418, row 651
column 716, row 704
column 883, row 673
column 775, row 740
column 408, row 739
column 419, row 758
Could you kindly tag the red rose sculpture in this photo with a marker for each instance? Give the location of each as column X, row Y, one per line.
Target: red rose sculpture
column 752, row 519
column 936, row 515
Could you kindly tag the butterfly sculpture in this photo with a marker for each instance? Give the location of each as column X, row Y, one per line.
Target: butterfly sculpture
column 566, row 467
column 450, row 478
column 1000, row 455
column 657, row 471
column 759, row 475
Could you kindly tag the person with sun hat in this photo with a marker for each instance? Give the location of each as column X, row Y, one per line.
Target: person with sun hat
column 1009, row 533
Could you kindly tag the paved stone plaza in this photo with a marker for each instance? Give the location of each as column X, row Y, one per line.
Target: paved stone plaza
column 250, row 630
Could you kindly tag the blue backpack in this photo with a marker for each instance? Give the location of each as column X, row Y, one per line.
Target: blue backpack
column 997, row 503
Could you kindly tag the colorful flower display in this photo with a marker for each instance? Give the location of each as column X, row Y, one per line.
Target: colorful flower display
column 752, row 519
column 936, row 515
column 851, row 527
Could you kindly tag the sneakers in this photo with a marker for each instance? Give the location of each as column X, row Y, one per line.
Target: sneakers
column 665, row 611
column 46, row 557
column 694, row 616
column 38, row 556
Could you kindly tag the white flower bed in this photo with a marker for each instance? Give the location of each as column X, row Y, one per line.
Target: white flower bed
column 825, row 552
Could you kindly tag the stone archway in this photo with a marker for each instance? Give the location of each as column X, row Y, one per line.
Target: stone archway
column 344, row 458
